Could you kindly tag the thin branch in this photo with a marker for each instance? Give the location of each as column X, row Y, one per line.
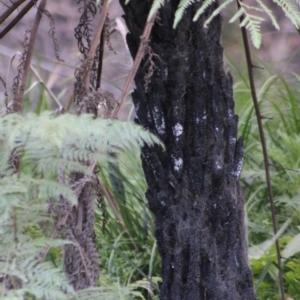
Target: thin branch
column 17, row 102
column 20, row 15
column 137, row 61
column 95, row 41
column 100, row 59
column 264, row 147
column 10, row 10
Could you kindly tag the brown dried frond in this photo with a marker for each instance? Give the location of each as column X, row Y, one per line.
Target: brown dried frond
column 150, row 63
column 80, row 75
column 107, row 29
column 101, row 205
column 5, row 94
column 14, row 161
column 83, row 31
column 99, row 102
column 16, row 85
column 81, row 258
column 96, row 66
column 52, row 34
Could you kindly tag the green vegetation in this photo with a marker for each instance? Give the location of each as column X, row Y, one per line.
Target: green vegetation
column 35, row 149
column 128, row 256
column 279, row 102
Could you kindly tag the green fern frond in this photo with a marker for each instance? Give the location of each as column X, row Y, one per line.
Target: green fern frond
column 44, row 135
column 215, row 12
column 269, row 13
column 251, row 21
column 19, row 251
column 182, row 6
column 253, row 24
column 46, row 146
column 237, row 15
column 157, row 4
column 41, row 281
column 206, row 4
column 291, row 10
column 51, row 166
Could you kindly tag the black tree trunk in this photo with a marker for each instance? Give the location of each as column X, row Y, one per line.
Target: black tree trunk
column 193, row 187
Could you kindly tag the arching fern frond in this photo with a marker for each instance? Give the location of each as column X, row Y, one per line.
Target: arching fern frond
column 68, row 137
column 251, row 22
column 205, row 5
column 157, row 4
column 269, row 13
column 182, row 6
column 216, row 12
column 45, row 147
column 20, row 271
column 291, row 10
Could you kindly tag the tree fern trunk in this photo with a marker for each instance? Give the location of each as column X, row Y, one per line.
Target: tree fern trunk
column 193, row 187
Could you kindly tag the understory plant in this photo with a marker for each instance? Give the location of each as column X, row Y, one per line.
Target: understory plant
column 39, row 157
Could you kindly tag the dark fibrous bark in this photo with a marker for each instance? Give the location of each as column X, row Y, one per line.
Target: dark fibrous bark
column 193, row 186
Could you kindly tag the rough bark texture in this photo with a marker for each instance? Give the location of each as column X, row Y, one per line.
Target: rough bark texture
column 193, row 187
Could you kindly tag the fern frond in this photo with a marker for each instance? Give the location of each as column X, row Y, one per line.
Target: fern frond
column 41, row 281
column 156, row 5
column 182, row 6
column 45, row 189
column 215, row 12
column 253, row 24
column 237, row 15
column 269, row 13
column 76, row 138
column 291, row 10
column 51, row 166
column 19, row 251
column 206, row 4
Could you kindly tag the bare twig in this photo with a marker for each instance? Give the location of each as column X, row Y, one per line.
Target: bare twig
column 100, row 59
column 95, row 41
column 20, row 15
column 137, row 61
column 10, row 10
column 264, row 147
column 17, row 102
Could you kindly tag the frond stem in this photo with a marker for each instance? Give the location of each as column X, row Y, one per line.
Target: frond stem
column 95, row 41
column 137, row 61
column 17, row 102
column 10, row 10
column 20, row 15
column 250, row 67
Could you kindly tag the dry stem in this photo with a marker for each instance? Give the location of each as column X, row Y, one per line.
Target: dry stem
column 17, row 103
column 137, row 62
